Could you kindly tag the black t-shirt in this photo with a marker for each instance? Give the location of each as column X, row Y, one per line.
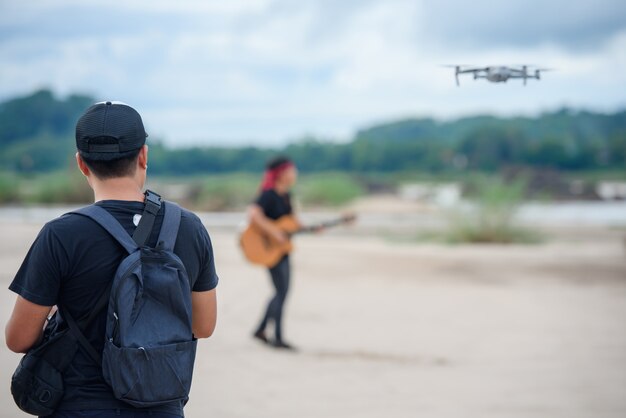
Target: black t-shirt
column 273, row 204
column 72, row 262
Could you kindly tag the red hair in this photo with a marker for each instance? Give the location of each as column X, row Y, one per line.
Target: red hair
column 271, row 175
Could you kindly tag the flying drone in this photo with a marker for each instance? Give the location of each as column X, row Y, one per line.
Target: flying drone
column 498, row 74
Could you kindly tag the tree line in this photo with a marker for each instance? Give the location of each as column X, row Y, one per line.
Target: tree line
column 37, row 135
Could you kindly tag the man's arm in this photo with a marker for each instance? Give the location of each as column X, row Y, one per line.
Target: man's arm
column 204, row 313
column 25, row 327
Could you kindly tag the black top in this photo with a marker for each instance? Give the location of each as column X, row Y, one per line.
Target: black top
column 273, row 204
column 71, row 263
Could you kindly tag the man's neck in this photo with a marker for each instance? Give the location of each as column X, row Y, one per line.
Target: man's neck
column 121, row 188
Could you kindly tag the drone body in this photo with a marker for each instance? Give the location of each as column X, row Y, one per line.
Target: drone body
column 499, row 74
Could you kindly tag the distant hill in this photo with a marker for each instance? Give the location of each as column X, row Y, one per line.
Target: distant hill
column 565, row 139
column 580, row 125
column 37, row 131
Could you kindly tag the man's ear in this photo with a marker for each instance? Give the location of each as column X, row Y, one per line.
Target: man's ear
column 142, row 159
column 82, row 166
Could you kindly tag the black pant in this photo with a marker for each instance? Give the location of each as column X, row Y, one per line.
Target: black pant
column 280, row 278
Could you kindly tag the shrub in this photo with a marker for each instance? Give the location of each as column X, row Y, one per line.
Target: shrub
column 224, row 192
column 490, row 217
column 328, row 189
column 9, row 188
column 61, row 187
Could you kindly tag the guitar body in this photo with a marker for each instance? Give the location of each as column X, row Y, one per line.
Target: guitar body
column 260, row 248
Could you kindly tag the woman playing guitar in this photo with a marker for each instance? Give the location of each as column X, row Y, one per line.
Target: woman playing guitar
column 273, row 203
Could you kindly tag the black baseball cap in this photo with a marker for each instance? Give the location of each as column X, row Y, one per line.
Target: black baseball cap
column 109, row 130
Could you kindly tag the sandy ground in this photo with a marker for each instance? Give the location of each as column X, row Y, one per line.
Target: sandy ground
column 398, row 329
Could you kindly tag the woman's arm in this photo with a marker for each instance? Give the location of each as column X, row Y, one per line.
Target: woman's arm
column 257, row 217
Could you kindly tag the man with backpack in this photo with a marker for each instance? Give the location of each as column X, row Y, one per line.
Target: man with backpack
column 134, row 281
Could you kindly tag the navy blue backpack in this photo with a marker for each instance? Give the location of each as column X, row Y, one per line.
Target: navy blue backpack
column 149, row 349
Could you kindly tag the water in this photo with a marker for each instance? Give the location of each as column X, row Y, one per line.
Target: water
column 575, row 213
column 548, row 214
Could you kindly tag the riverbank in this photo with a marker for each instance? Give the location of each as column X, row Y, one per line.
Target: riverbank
column 400, row 328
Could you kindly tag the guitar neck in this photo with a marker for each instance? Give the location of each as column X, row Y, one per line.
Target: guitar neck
column 327, row 224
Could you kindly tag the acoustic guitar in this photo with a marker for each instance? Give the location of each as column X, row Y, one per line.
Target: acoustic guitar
column 261, row 248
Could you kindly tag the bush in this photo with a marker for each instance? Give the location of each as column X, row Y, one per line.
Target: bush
column 328, row 189
column 236, row 191
column 490, row 218
column 224, row 192
column 61, row 187
column 9, row 188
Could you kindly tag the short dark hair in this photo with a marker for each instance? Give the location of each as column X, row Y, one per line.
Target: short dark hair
column 124, row 166
column 110, row 165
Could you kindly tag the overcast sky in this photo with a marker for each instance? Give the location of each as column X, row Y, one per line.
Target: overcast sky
column 269, row 71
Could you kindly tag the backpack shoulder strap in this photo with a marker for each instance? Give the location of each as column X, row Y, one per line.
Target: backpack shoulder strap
column 110, row 224
column 76, row 327
column 152, row 205
column 169, row 228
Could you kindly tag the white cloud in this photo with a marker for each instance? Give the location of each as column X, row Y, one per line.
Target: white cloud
column 13, row 10
column 271, row 70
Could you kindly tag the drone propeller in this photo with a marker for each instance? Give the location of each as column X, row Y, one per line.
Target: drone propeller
column 457, row 71
column 533, row 67
column 538, row 72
